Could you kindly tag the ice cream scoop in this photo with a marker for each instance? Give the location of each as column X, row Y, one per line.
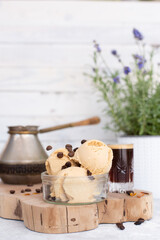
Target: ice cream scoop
column 73, row 184
column 95, row 156
column 57, row 160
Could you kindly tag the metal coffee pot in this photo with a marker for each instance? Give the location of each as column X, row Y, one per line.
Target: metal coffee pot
column 23, row 159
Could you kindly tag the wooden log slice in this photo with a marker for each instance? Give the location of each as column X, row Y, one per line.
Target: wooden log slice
column 43, row 217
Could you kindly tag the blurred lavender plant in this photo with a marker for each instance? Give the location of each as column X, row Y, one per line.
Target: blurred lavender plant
column 132, row 94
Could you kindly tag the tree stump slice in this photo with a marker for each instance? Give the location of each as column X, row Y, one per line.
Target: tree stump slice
column 44, row 217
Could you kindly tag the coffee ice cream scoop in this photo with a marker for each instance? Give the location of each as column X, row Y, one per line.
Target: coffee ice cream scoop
column 95, row 156
column 73, row 184
column 57, row 160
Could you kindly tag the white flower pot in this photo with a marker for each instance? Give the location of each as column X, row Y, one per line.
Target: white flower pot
column 146, row 162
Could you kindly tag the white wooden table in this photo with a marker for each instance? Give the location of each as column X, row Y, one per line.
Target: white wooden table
column 15, row 230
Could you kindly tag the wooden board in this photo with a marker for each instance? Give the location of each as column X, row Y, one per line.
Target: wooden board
column 43, row 217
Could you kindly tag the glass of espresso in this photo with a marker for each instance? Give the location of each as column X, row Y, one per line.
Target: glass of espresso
column 122, row 170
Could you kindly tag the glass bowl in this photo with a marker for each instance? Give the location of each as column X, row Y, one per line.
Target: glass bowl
column 74, row 190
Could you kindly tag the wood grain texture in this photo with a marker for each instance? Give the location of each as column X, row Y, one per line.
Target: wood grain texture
column 43, row 217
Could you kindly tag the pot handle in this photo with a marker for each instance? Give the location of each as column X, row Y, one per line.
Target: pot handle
column 89, row 121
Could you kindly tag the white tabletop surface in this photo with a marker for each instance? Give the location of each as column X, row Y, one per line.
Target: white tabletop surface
column 15, row 230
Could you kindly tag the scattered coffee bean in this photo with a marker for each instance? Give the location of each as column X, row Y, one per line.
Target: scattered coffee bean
column 102, row 197
column 68, row 164
column 78, row 164
column 71, row 154
column 63, row 167
column 68, row 147
column 89, row 173
column 53, row 198
column 73, row 219
column 83, row 141
column 128, row 192
column 120, row 226
column 38, row 190
column 28, row 190
column 30, row 185
column 12, row 191
column 106, row 202
column 60, row 154
column 48, row 148
column 139, row 221
column 22, row 191
column 75, row 149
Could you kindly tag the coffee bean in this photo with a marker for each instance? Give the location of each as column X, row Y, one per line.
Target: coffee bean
column 128, row 192
column 60, row 154
column 38, row 190
column 68, row 164
column 28, row 190
column 48, row 148
column 63, row 167
column 53, row 199
column 22, row 191
column 83, row 141
column 89, row 173
column 75, row 149
column 139, row 221
column 71, row 154
column 78, row 164
column 30, row 185
column 106, row 202
column 102, row 197
column 68, row 146
column 120, row 226
column 12, row 191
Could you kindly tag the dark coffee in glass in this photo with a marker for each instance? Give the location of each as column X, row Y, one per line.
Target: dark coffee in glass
column 121, row 173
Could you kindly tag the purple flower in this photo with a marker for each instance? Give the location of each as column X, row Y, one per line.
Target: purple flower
column 137, row 34
column 136, row 56
column 116, row 79
column 97, row 47
column 114, row 52
column 127, row 70
column 140, row 65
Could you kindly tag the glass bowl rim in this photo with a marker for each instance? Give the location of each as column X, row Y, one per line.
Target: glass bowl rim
column 45, row 176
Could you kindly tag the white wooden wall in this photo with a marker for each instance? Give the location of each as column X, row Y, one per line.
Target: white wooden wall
column 46, row 46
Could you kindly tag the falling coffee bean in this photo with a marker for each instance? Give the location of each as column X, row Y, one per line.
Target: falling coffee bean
column 12, row 191
column 71, row 154
column 120, row 226
column 83, row 141
column 22, row 191
column 68, row 164
column 139, row 221
column 60, row 154
column 48, row 148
